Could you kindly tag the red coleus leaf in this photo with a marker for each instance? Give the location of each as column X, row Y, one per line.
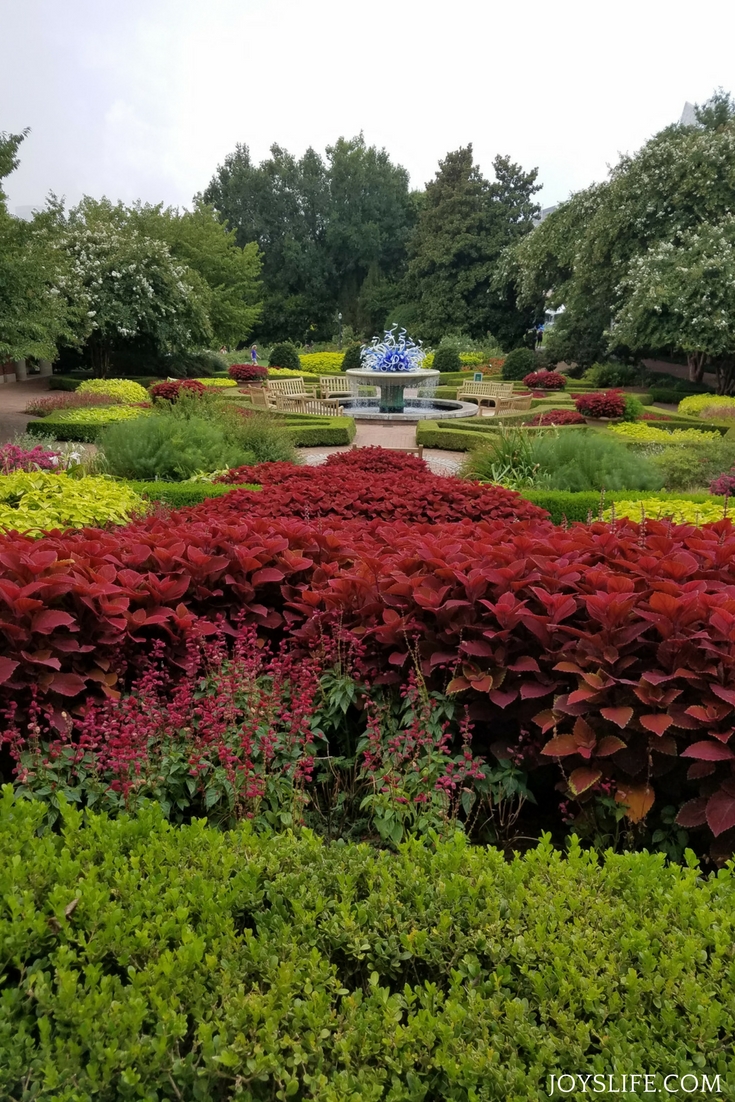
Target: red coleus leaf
column 693, row 813
column 547, row 719
column 610, row 744
column 728, row 695
column 458, row 685
column 50, row 619
column 583, row 778
column 708, row 751
column 621, row 716
column 68, row 684
column 560, row 747
column 7, row 666
column 721, row 809
column 658, row 723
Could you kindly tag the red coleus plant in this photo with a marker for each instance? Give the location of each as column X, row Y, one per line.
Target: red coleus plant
column 610, row 404
column 172, row 389
column 247, row 373
column 650, row 416
column 545, row 380
column 558, row 417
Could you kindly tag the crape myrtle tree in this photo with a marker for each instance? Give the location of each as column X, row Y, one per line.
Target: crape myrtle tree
column 464, row 225
column 582, row 254
column 682, row 296
column 33, row 315
column 332, row 232
column 127, row 286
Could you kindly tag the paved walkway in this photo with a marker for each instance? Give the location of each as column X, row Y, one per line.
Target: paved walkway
column 13, row 421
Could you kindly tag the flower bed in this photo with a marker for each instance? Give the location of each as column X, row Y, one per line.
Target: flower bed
column 172, row 388
column 609, row 405
column 678, row 510
column 545, row 380
column 249, row 373
column 650, row 434
column 39, row 502
column 218, row 384
column 15, row 458
column 322, row 363
column 695, row 403
column 42, row 407
column 84, row 424
column 558, row 417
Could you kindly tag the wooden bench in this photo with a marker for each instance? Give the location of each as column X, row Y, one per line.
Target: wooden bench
column 331, row 386
column 419, row 451
column 513, row 405
column 291, row 388
column 320, row 407
column 485, row 393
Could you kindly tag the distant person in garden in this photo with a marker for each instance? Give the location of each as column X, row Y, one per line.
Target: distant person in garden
column 254, row 353
column 539, row 335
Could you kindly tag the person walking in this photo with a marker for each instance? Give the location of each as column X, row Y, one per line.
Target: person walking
column 254, row 353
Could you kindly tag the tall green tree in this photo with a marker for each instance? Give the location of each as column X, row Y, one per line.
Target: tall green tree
column 465, row 224
column 682, row 179
column 33, row 315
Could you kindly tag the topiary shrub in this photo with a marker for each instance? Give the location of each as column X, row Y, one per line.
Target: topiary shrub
column 598, row 406
column 285, row 355
column 612, row 375
column 518, row 363
column 545, row 380
column 351, row 358
column 248, row 373
column 446, row 358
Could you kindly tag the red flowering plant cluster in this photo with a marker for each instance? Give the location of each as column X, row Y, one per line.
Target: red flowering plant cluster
column 171, row 389
column 612, row 646
column 248, row 373
column 41, row 407
column 609, row 404
column 15, row 458
column 558, row 417
column 724, row 484
column 545, row 380
column 654, row 416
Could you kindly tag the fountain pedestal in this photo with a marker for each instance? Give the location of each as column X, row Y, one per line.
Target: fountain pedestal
column 392, row 384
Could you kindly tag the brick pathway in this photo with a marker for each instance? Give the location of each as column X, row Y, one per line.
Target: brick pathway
column 13, row 399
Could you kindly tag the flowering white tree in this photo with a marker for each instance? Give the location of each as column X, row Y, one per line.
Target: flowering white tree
column 682, row 296
column 128, row 285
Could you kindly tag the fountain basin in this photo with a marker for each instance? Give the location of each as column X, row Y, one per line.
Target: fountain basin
column 392, row 385
column 414, row 409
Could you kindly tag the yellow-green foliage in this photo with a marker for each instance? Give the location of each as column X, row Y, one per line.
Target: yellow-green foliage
column 98, row 414
column 217, row 382
column 285, row 373
column 428, row 360
column 471, row 359
column 38, row 502
column 695, row 403
column 123, row 389
column 642, row 433
column 322, row 363
column 678, row 510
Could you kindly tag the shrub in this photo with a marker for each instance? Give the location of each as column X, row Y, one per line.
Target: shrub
column 678, row 511
column 286, row 373
column 39, row 502
column 248, row 948
column 171, row 390
column 610, row 404
column 612, row 375
column 190, row 365
column 545, row 380
column 262, row 435
column 125, row 390
column 85, row 424
column 591, row 461
column 218, row 384
column 351, row 358
column 285, row 355
column 160, row 446
column 695, row 463
column 649, row 434
column 718, row 413
column 322, row 363
column 724, row 485
column 42, row 407
column 633, row 408
column 248, row 373
column 518, row 363
column 695, row 403
column 15, row 458
column 558, row 417
column 446, row 358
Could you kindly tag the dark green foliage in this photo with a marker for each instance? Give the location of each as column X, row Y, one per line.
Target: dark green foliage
column 168, row 447
column 612, row 375
column 263, row 435
column 690, row 465
column 315, row 432
column 672, row 395
column 446, row 359
column 83, row 433
column 194, row 365
column 63, row 382
column 518, row 363
column 190, row 961
column 351, row 357
column 285, row 355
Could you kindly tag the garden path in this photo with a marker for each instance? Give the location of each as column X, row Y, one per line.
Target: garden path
column 13, row 399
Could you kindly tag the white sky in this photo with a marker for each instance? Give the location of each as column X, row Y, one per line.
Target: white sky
column 144, row 98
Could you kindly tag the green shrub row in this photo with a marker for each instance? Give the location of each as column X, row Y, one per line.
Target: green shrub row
column 308, row 431
column 562, row 505
column 144, row 961
column 180, row 494
column 79, row 431
column 463, row 435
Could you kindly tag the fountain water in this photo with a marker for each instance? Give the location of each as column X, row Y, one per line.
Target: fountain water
column 405, row 388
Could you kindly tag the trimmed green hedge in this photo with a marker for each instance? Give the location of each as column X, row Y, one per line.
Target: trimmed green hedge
column 180, row 494
column 670, row 396
column 462, row 436
column 309, row 431
column 561, row 504
column 80, row 431
column 143, row 961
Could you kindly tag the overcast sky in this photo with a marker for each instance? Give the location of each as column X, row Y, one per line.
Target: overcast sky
column 144, row 98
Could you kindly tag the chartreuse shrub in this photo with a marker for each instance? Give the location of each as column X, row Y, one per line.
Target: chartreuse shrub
column 84, row 425
column 125, row 390
column 695, row 403
column 217, row 383
column 642, row 433
column 146, row 961
column 562, row 505
column 168, row 447
column 322, row 363
column 37, row 502
column 678, row 510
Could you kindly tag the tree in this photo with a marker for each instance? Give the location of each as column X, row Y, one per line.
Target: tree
column 683, row 297
column 718, row 110
column 128, row 285
column 683, row 178
column 33, row 316
column 464, row 225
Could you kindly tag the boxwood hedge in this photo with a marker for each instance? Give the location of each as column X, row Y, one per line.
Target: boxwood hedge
column 143, row 961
